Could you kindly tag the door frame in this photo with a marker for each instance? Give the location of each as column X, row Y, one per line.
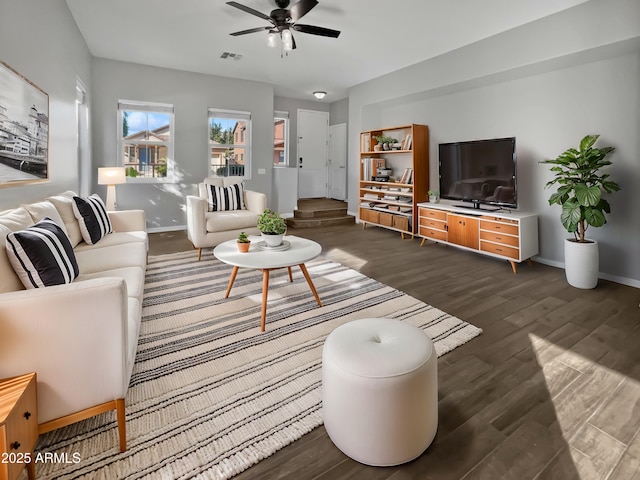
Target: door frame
column 297, row 159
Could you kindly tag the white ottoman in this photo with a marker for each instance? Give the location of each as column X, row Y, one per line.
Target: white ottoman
column 380, row 390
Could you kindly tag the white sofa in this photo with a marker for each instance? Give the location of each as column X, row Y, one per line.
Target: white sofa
column 207, row 229
column 80, row 338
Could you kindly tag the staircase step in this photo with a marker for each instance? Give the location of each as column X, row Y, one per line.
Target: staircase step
column 321, row 213
column 319, row 221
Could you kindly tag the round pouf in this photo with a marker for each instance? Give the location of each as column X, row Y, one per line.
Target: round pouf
column 380, row 390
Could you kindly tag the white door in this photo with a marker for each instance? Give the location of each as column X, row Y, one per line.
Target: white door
column 313, row 152
column 338, row 161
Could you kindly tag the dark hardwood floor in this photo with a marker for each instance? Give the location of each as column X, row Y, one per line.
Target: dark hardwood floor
column 550, row 390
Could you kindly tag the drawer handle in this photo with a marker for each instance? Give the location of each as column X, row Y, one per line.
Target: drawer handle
column 15, row 445
column 27, row 415
column 498, row 238
column 498, row 249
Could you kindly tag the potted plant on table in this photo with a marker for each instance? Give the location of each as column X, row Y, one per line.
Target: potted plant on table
column 581, row 184
column 272, row 227
column 243, row 242
column 433, row 196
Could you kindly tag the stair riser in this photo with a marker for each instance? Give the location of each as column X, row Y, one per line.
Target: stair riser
column 319, row 222
column 334, row 212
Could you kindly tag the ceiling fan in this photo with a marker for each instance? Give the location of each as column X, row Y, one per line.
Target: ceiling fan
column 283, row 21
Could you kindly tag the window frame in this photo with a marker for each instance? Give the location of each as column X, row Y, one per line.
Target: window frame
column 148, row 107
column 247, row 146
column 281, row 115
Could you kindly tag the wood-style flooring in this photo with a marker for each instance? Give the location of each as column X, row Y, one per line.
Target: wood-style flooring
column 550, row 390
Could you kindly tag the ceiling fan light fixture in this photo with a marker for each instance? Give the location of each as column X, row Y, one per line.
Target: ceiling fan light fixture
column 271, row 39
column 286, row 36
column 319, row 95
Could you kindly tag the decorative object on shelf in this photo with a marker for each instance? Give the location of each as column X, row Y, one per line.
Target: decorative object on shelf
column 581, row 185
column 385, row 141
column 243, row 242
column 24, row 108
column 433, row 196
column 272, row 226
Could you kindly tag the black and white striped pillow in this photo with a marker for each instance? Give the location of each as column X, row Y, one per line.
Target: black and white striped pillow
column 225, row 198
column 42, row 255
column 92, row 217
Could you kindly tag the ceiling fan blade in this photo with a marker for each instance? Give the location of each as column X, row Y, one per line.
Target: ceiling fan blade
column 293, row 43
column 251, row 30
column 251, row 11
column 313, row 30
column 301, row 8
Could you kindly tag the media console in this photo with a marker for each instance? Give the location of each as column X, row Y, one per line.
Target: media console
column 511, row 236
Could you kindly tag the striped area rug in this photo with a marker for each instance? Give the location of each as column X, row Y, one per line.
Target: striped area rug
column 211, row 395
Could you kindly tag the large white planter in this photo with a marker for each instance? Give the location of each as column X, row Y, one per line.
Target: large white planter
column 581, row 263
column 272, row 239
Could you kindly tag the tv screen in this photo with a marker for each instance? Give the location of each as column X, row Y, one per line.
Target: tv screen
column 480, row 171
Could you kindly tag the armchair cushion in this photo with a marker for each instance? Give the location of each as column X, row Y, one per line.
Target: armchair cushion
column 225, row 198
column 92, row 218
column 42, row 255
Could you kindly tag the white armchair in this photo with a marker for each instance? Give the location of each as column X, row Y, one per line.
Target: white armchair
column 207, row 229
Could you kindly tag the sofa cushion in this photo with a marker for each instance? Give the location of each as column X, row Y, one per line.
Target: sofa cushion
column 115, row 238
column 98, row 259
column 9, row 280
column 218, row 182
column 16, row 219
column 40, row 210
column 92, row 218
column 42, row 255
column 132, row 276
column 224, row 221
column 225, row 198
column 64, row 205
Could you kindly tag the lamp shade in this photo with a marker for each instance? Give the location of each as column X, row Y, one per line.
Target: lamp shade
column 111, row 175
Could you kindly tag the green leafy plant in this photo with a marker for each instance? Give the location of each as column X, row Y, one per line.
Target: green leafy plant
column 243, row 238
column 271, row 222
column 433, row 193
column 384, row 139
column 581, row 185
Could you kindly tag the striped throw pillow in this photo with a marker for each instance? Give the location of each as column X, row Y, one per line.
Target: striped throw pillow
column 225, row 198
column 42, row 255
column 92, row 218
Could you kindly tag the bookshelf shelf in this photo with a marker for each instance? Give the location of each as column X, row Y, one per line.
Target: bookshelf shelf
column 380, row 202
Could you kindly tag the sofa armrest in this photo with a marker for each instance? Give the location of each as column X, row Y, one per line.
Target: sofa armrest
column 196, row 222
column 255, row 201
column 128, row 221
column 74, row 336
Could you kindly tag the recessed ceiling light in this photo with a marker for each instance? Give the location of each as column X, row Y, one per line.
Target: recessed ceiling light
column 319, row 95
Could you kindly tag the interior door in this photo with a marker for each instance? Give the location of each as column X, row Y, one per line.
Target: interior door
column 313, row 152
column 338, row 161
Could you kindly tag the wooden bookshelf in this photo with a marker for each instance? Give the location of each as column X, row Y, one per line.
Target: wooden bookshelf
column 393, row 204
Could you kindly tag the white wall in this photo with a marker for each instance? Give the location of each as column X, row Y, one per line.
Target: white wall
column 548, row 83
column 40, row 40
column 191, row 94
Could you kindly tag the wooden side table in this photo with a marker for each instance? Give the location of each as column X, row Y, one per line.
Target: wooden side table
column 18, row 426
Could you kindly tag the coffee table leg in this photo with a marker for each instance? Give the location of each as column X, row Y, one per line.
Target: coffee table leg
column 290, row 275
column 265, row 294
column 313, row 289
column 234, row 272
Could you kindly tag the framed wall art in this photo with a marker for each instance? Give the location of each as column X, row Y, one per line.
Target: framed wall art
column 24, row 129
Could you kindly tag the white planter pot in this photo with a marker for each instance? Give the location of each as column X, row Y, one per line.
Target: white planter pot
column 433, row 199
column 581, row 263
column 272, row 240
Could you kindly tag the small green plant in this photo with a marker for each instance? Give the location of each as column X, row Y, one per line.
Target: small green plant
column 131, row 172
column 433, row 193
column 581, row 185
column 243, row 238
column 271, row 222
column 384, row 139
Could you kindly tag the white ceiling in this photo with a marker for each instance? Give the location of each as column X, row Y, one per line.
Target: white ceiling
column 377, row 36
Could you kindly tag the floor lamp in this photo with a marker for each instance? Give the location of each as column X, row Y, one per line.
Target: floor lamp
column 111, row 176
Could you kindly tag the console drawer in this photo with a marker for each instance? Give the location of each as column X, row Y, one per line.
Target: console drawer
column 386, row 219
column 500, row 250
column 499, row 238
column 433, row 234
column 435, row 214
column 431, row 223
column 401, row 222
column 499, row 227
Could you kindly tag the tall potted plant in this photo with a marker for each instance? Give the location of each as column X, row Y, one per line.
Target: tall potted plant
column 581, row 184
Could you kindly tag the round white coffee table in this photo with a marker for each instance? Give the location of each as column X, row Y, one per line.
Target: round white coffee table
column 301, row 250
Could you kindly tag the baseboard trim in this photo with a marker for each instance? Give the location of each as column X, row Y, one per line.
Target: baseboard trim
column 631, row 282
column 175, row 228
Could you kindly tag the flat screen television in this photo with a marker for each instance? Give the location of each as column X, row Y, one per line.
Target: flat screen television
column 482, row 172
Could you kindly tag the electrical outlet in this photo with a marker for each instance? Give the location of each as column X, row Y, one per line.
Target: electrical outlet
column 262, row 171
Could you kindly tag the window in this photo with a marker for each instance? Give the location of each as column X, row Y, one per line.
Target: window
column 281, row 139
column 229, row 143
column 146, row 140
